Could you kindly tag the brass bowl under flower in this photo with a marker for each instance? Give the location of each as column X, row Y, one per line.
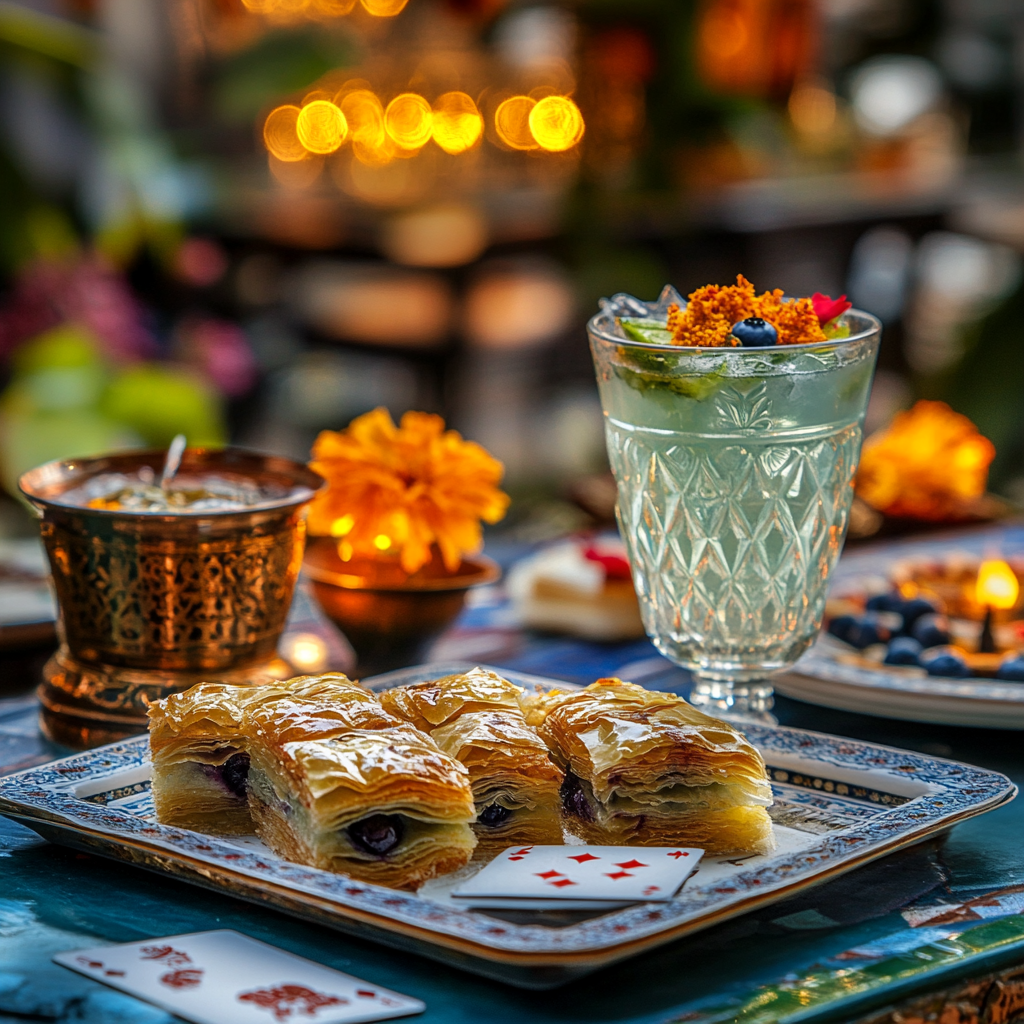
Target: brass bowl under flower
column 152, row 603
column 389, row 616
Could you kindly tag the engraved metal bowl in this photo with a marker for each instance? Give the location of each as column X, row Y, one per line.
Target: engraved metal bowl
column 152, row 603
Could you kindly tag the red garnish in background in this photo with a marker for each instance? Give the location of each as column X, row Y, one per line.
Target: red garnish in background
column 828, row 308
column 615, row 566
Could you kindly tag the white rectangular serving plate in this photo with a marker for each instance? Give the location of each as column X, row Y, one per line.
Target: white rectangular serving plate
column 839, row 804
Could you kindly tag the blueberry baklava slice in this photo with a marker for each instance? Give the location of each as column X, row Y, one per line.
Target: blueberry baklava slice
column 199, row 743
column 381, row 805
column 648, row 769
column 476, row 718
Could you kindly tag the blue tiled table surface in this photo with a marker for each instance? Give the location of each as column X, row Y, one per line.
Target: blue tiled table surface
column 54, row 899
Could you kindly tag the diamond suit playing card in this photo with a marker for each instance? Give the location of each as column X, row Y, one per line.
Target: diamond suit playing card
column 223, row 977
column 580, row 876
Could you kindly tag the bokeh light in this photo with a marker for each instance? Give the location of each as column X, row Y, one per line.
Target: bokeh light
column 296, row 174
column 384, row 8
column 280, row 136
column 556, row 123
column 365, row 117
column 321, row 127
column 512, row 122
column 456, row 122
column 409, row 120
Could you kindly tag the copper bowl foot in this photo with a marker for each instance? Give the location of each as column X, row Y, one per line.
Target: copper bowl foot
column 86, row 705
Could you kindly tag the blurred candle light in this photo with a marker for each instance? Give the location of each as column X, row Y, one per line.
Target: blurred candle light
column 332, row 8
column 306, row 652
column 556, row 123
column 384, row 8
column 321, row 127
column 365, row 116
column 997, row 585
column 409, row 120
column 812, row 108
column 512, row 122
column 280, row 136
column 456, row 122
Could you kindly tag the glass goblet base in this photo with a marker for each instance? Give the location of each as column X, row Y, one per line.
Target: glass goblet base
column 740, row 700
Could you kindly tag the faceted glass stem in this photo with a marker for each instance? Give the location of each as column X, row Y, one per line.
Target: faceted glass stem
column 744, row 700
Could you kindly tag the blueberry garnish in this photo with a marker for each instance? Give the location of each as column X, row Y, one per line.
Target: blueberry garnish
column 378, row 834
column 858, row 631
column 1012, row 669
column 931, row 630
column 891, row 602
column 755, row 332
column 493, row 816
column 944, row 663
column 904, row 650
column 913, row 609
column 574, row 800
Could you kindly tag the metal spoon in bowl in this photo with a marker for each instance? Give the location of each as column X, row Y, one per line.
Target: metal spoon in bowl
column 172, row 462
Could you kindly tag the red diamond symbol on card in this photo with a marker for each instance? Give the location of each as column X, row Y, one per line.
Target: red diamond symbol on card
column 631, row 864
column 677, row 854
column 650, row 889
column 582, row 858
column 365, row 993
column 524, row 851
column 549, row 874
column 620, row 874
column 562, row 882
column 517, row 858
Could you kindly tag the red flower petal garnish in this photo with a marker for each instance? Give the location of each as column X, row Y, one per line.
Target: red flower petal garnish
column 828, row 308
column 615, row 566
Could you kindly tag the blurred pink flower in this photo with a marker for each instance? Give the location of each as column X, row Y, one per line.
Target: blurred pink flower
column 220, row 351
column 85, row 291
column 200, row 262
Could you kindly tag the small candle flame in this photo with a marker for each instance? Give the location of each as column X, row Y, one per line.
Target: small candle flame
column 997, row 585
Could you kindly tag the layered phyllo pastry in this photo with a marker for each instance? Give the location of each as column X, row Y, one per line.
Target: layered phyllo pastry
column 322, row 773
column 382, row 805
column 647, row 769
column 201, row 757
column 475, row 717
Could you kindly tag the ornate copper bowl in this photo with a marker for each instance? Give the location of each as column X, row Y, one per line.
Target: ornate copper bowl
column 391, row 618
column 152, row 603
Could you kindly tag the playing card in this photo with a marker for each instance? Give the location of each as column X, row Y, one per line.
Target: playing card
column 580, row 876
column 223, row 977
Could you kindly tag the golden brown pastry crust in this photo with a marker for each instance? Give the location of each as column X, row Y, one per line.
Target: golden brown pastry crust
column 647, row 768
column 476, row 717
column 325, row 749
column 439, row 701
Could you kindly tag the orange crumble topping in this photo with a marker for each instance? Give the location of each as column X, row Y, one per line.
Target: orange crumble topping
column 712, row 310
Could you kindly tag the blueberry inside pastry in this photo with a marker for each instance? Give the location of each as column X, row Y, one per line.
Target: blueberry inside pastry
column 647, row 769
column 475, row 718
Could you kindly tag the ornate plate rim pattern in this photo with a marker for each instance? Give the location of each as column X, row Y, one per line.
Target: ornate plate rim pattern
column 947, row 791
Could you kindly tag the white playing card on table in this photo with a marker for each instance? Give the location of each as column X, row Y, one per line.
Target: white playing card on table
column 579, row 877
column 224, row 977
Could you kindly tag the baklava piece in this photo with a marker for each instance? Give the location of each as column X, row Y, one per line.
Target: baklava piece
column 647, row 769
column 475, row 717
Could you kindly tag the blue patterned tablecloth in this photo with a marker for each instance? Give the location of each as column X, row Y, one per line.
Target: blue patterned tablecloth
column 913, row 921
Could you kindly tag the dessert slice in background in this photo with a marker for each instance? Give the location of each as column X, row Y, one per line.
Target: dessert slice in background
column 647, row 769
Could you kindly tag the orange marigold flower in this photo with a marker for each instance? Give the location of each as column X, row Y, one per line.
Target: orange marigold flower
column 712, row 310
column 929, row 463
column 400, row 490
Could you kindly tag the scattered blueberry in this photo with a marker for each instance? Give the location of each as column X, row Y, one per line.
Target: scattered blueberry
column 891, row 602
column 1012, row 669
column 903, row 650
column 931, row 630
column 858, row 631
column 755, row 332
column 944, row 663
column 913, row 609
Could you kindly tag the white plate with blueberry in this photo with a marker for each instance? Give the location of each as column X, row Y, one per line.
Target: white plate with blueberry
column 903, row 637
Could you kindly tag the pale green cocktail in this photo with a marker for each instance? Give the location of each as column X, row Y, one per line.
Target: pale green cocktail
column 735, row 472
